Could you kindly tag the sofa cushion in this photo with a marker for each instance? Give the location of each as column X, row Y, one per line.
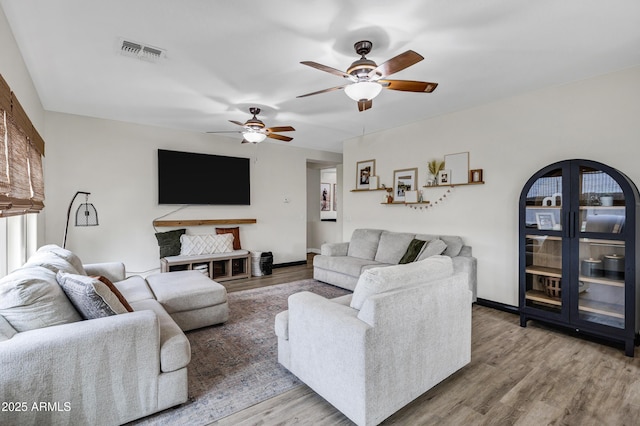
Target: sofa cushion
column 392, row 246
column 364, row 243
column 235, row 231
column 414, row 249
column 379, row 280
column 432, row 248
column 206, row 244
column 351, row 266
column 134, row 288
column 175, row 350
column 65, row 254
column 169, row 242
column 51, row 261
column 31, row 298
column 454, row 245
column 90, row 296
column 186, row 290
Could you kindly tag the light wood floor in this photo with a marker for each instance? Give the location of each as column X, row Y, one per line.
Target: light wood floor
column 517, row 376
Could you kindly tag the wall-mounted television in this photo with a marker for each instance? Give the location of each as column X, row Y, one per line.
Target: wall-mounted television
column 192, row 178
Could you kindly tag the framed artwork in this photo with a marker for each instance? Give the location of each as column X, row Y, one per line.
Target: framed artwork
column 403, row 181
column 545, row 220
column 364, row 170
column 458, row 166
column 475, row 175
column 325, row 197
column 444, row 177
column 335, row 199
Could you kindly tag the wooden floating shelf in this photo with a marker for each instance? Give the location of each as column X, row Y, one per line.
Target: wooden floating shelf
column 402, row 203
column 455, row 184
column 367, row 190
column 203, row 222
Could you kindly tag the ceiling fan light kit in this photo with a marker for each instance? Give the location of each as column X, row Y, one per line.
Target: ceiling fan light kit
column 363, row 90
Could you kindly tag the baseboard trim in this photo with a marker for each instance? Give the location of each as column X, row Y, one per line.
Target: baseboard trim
column 499, row 306
column 296, row 263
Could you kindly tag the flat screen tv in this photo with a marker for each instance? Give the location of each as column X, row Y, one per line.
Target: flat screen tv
column 191, row 178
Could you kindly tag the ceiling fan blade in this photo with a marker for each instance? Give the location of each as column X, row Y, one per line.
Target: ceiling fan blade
column 237, row 122
column 323, row 91
column 227, row 131
column 395, row 64
column 365, row 105
column 327, row 69
column 408, row 85
column 279, row 137
column 280, row 129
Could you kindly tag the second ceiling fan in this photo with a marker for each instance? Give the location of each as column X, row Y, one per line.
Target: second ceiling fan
column 367, row 79
column 254, row 130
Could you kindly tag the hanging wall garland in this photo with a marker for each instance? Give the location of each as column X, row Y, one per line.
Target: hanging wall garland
column 431, row 205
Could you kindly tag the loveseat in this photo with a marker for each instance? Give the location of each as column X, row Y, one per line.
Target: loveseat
column 404, row 329
column 82, row 344
column 341, row 264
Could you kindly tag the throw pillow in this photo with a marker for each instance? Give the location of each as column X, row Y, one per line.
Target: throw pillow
column 90, row 296
column 454, row 245
column 51, row 261
column 106, row 281
column 31, row 298
column 236, row 235
column 169, row 242
column 379, row 280
column 414, row 249
column 206, row 244
column 432, row 248
column 65, row 254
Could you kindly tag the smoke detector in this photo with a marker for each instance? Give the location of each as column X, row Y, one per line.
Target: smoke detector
column 141, row 51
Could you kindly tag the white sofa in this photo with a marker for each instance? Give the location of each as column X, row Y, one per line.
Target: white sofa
column 63, row 370
column 403, row 330
column 341, row 264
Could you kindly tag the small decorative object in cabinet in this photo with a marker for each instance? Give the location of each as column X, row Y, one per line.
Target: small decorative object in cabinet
column 578, row 257
column 475, row 176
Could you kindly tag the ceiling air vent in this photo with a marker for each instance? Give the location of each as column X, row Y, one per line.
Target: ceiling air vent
column 141, row 51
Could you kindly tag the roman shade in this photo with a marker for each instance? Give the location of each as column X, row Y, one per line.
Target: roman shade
column 21, row 151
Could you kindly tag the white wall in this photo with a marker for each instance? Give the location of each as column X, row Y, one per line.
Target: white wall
column 117, row 163
column 511, row 139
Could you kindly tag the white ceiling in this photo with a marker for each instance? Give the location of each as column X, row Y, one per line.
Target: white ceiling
column 223, row 57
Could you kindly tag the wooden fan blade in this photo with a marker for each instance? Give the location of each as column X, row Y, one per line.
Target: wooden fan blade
column 279, row 137
column 365, row 105
column 408, row 85
column 327, row 69
column 227, row 131
column 395, row 64
column 323, row 91
column 237, row 122
column 280, row 129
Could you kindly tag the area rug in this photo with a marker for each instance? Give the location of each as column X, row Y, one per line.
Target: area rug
column 235, row 365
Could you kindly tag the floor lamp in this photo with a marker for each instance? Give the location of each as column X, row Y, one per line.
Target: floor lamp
column 86, row 215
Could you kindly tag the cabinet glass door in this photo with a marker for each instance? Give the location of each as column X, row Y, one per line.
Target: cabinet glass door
column 601, row 249
column 543, row 241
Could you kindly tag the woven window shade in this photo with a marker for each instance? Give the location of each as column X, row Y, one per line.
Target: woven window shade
column 21, row 150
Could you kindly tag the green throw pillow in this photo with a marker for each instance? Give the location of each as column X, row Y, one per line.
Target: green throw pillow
column 412, row 251
column 169, row 242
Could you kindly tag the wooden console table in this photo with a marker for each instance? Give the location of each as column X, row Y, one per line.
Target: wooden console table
column 219, row 266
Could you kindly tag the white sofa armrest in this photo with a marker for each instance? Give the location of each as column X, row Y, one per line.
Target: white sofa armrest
column 334, row 249
column 90, row 367
column 114, row 271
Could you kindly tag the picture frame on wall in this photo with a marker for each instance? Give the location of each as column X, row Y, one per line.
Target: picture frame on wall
column 444, row 177
column 335, row 198
column 475, row 176
column 458, row 166
column 404, row 180
column 325, row 197
column 364, row 170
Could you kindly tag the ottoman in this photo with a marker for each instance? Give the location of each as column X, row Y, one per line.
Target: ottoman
column 192, row 299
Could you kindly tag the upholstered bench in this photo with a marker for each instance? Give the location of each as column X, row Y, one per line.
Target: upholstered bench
column 192, row 299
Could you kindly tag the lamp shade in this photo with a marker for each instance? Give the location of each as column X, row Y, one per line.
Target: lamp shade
column 254, row 137
column 363, row 90
column 86, row 215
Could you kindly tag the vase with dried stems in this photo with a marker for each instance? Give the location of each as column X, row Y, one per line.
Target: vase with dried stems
column 434, row 166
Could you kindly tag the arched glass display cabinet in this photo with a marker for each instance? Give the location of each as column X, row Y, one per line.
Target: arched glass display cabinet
column 577, row 244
